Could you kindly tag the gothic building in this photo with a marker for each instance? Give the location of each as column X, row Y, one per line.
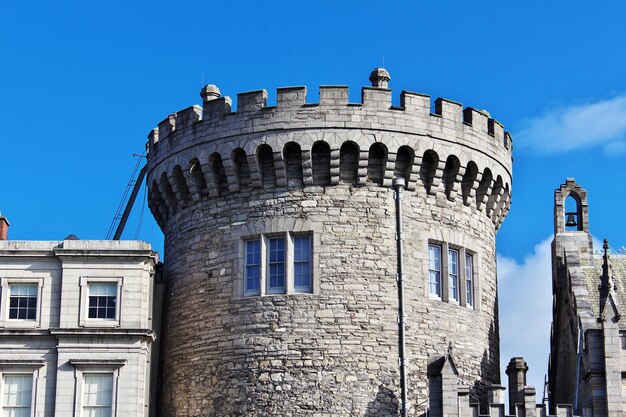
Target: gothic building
column 588, row 342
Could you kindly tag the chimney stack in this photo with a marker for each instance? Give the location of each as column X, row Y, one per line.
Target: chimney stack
column 516, row 370
column 4, row 228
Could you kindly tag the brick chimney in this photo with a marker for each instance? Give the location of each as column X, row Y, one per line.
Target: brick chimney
column 4, row 228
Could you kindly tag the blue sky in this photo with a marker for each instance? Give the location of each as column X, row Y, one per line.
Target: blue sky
column 82, row 83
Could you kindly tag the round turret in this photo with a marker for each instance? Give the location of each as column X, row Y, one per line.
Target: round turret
column 281, row 254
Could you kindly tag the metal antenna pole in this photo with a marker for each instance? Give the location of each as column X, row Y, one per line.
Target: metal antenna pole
column 398, row 185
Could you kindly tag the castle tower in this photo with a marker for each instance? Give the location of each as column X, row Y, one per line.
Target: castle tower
column 280, row 249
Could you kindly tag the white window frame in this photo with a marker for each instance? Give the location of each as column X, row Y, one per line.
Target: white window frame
column 5, row 296
column 84, row 320
column 264, row 267
column 288, row 250
column 292, row 262
column 472, row 268
column 450, row 275
column 445, row 295
column 431, row 294
column 96, row 374
column 96, row 366
column 253, row 291
column 21, row 367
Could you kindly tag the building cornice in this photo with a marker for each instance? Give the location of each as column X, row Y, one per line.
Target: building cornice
column 104, row 332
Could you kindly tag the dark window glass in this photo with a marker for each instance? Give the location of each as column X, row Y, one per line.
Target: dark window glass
column 23, row 301
column 102, row 300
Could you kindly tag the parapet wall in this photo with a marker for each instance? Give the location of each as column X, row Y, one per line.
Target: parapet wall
column 205, row 151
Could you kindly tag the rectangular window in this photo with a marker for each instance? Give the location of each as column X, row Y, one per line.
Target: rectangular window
column 302, row 263
column 253, row 266
column 469, row 280
column 17, row 395
column 276, row 265
column 23, row 301
column 453, row 274
column 102, row 300
column 434, row 270
column 98, row 395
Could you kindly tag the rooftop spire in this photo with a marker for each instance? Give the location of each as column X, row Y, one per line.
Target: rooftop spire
column 607, row 286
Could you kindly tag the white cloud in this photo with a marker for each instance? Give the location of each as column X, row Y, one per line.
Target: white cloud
column 525, row 299
column 580, row 126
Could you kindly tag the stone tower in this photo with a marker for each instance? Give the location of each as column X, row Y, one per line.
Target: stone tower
column 280, row 249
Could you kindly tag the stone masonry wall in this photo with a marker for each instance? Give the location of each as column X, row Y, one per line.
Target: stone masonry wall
column 333, row 352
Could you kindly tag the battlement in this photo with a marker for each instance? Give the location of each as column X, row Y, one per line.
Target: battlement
column 211, row 150
column 293, row 111
column 447, row 397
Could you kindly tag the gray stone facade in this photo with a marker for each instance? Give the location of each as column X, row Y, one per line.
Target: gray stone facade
column 53, row 341
column 218, row 179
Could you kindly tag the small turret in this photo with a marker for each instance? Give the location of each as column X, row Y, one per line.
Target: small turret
column 380, row 78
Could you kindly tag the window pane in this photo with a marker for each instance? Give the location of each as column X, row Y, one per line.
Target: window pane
column 302, row 263
column 253, row 266
column 23, row 301
column 102, row 300
column 17, row 395
column 276, row 264
column 98, row 395
column 469, row 279
column 453, row 274
column 434, row 269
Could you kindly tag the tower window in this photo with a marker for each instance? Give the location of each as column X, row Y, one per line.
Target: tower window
column 253, row 266
column 302, row 263
column 469, row 280
column 278, row 264
column 434, row 270
column 453, row 274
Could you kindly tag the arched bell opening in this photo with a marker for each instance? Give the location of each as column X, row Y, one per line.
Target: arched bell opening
column 572, row 215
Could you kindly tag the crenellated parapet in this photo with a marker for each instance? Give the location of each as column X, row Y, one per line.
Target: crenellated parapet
column 211, row 151
column 448, row 397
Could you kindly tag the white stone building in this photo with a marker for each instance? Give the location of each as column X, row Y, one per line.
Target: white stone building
column 76, row 327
